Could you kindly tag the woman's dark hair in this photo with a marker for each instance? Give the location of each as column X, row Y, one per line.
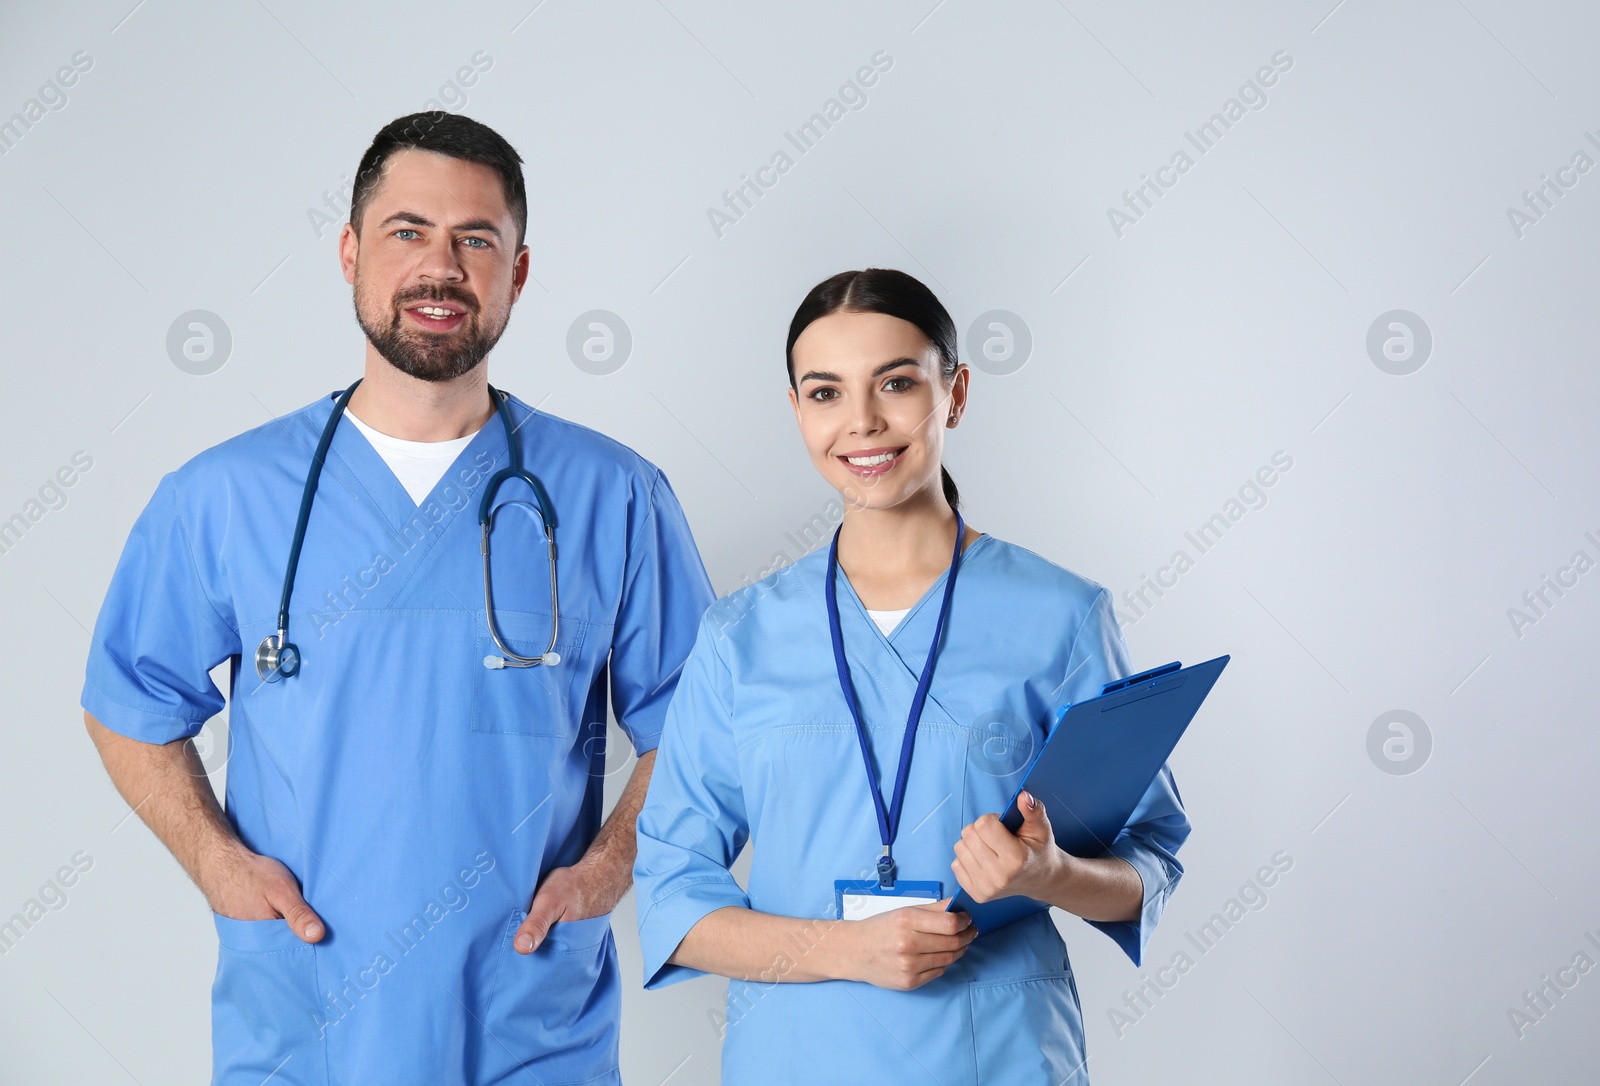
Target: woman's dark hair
column 445, row 134
column 894, row 294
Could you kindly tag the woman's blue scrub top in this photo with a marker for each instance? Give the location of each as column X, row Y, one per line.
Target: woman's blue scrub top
column 418, row 796
column 760, row 743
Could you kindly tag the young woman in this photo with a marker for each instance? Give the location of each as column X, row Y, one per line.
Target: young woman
column 863, row 714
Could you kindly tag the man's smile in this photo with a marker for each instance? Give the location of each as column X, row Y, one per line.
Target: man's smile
column 437, row 316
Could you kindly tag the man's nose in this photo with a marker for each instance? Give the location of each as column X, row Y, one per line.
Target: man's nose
column 439, row 263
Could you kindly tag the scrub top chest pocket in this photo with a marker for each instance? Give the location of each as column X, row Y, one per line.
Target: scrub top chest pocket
column 540, row 700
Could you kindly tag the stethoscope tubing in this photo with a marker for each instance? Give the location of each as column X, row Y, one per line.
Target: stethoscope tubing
column 277, row 657
column 307, row 495
column 547, row 519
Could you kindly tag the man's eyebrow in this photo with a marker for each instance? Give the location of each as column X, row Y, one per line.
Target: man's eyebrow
column 878, row 371
column 483, row 225
column 420, row 220
column 407, row 216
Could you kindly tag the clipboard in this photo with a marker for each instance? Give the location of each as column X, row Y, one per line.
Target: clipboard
column 1096, row 764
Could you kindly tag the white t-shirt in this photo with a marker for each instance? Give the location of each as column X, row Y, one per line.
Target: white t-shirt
column 419, row 465
column 888, row 620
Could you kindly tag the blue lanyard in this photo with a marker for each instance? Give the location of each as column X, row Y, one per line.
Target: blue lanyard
column 888, row 815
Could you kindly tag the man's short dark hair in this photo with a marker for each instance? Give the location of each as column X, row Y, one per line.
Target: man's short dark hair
column 442, row 133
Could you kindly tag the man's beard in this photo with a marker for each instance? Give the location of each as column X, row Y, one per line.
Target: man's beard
column 437, row 356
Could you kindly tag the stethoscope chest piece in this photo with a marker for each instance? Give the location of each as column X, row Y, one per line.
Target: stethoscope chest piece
column 276, row 658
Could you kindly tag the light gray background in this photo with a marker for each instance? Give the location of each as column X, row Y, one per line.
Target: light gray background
column 1167, row 366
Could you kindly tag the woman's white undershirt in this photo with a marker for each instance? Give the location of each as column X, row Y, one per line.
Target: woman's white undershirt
column 888, row 620
column 419, row 465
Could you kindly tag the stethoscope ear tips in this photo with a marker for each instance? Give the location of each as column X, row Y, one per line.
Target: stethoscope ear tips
column 495, row 663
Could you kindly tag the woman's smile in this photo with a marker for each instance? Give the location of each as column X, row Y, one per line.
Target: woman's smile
column 873, row 463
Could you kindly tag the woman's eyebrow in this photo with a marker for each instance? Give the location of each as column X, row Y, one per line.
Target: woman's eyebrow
column 896, row 364
column 879, row 371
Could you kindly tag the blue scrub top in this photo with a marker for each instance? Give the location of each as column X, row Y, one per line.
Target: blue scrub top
column 760, row 743
column 418, row 796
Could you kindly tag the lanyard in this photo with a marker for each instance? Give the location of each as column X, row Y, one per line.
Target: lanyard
column 888, row 815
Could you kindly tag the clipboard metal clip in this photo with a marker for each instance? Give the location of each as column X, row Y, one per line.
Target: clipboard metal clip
column 1135, row 680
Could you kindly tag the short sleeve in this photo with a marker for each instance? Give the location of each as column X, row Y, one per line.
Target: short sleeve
column 693, row 823
column 1158, row 826
column 1099, row 654
column 665, row 591
column 159, row 633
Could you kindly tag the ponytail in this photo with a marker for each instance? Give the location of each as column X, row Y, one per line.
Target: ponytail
column 951, row 494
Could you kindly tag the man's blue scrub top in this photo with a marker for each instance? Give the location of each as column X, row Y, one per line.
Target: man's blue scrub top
column 418, row 796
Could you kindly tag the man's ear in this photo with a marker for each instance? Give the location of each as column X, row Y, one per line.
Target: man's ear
column 519, row 272
column 349, row 249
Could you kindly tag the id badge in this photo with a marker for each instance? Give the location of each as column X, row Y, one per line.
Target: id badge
column 857, row 899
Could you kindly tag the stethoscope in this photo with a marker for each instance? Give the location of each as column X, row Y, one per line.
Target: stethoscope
column 277, row 657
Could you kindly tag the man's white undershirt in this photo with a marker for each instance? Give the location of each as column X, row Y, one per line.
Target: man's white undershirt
column 888, row 620
column 419, row 465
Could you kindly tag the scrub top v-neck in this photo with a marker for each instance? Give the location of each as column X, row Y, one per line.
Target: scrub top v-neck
column 418, row 465
column 887, row 621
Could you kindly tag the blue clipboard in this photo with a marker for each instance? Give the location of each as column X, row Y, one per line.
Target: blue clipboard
column 1096, row 764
